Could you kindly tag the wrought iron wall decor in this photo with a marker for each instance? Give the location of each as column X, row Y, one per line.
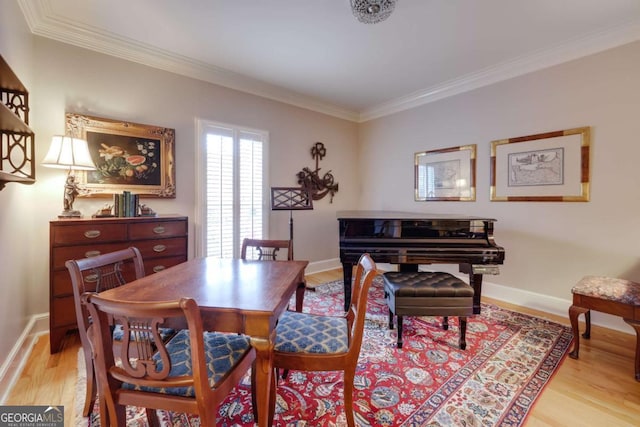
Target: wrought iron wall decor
column 312, row 182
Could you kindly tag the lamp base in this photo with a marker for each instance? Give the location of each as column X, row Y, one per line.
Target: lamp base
column 70, row 214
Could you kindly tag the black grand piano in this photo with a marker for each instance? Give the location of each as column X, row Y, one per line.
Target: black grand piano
column 410, row 239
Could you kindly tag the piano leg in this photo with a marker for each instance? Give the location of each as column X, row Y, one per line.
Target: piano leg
column 475, row 281
column 347, row 273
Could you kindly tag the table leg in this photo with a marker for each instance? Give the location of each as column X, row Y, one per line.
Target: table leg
column 263, row 376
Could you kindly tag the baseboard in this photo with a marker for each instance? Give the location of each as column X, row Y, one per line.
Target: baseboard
column 541, row 302
column 325, row 265
column 14, row 364
column 548, row 304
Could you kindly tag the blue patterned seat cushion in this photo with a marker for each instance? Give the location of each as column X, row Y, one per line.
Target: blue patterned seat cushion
column 222, row 352
column 309, row 333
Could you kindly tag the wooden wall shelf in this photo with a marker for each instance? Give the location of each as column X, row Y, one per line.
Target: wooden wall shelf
column 17, row 140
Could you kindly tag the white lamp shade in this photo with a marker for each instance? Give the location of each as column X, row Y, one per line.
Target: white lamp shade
column 66, row 152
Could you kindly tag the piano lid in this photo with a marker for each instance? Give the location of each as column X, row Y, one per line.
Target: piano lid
column 398, row 215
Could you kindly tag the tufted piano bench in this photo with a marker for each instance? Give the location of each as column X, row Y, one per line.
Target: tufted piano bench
column 428, row 294
column 608, row 295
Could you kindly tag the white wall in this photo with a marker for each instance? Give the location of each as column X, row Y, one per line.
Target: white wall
column 549, row 246
column 71, row 79
column 62, row 78
column 16, row 207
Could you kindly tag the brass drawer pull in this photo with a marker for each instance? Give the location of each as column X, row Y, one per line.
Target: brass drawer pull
column 89, row 254
column 91, row 278
column 159, row 248
column 159, row 229
column 158, row 268
column 92, row 234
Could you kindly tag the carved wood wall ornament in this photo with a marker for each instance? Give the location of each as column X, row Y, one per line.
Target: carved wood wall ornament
column 311, row 181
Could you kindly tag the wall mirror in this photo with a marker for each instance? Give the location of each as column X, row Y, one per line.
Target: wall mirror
column 447, row 174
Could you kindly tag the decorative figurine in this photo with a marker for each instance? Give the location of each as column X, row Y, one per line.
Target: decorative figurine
column 70, row 193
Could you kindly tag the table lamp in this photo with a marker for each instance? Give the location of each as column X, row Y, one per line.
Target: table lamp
column 69, row 153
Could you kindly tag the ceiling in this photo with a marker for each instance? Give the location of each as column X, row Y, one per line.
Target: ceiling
column 316, row 55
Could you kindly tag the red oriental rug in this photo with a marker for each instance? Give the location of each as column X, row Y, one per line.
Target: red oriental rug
column 509, row 359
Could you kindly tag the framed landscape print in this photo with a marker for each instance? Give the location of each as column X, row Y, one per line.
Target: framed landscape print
column 447, row 174
column 550, row 167
column 128, row 156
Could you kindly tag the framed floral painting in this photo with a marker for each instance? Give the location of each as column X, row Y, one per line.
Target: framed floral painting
column 128, row 156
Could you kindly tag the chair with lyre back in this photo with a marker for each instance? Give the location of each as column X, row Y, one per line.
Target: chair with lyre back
column 296, row 349
column 269, row 250
column 96, row 274
column 191, row 373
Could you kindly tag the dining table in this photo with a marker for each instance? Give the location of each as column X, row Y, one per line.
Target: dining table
column 234, row 295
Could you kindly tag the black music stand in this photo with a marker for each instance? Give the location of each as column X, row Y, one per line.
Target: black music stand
column 290, row 199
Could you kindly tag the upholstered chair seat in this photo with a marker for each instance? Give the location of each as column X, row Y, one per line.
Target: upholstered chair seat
column 308, row 333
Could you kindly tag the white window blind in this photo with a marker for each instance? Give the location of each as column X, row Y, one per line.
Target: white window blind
column 234, row 188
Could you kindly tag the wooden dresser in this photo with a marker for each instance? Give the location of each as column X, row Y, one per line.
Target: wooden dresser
column 162, row 241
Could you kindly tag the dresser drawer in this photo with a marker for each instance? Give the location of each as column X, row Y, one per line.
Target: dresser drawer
column 152, row 230
column 156, row 265
column 60, row 255
column 61, row 285
column 161, row 247
column 86, row 233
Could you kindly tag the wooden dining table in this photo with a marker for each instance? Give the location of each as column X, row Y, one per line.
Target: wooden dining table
column 234, row 295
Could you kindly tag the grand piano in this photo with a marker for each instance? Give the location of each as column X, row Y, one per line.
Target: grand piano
column 410, row 239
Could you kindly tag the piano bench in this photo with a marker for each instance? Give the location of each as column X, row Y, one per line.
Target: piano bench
column 607, row 295
column 428, row 294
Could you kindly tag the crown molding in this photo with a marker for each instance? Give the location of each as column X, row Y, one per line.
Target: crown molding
column 43, row 21
column 574, row 49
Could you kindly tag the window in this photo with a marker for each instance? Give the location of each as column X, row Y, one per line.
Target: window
column 232, row 180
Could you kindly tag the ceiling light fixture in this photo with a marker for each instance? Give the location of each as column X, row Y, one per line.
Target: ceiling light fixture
column 372, row 11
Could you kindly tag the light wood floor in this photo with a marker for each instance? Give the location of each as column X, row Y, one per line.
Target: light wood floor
column 599, row 389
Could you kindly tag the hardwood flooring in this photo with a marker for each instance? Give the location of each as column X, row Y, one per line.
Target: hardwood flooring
column 599, row 389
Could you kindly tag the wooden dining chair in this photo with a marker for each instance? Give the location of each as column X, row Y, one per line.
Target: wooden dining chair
column 312, row 342
column 192, row 373
column 96, row 274
column 268, row 250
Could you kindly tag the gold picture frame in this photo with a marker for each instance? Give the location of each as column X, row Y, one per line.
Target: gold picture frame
column 447, row 174
column 128, row 156
column 545, row 167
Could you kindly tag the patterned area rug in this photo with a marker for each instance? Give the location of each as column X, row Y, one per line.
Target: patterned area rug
column 429, row 382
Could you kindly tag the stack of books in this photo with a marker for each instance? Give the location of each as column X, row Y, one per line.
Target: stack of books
column 126, row 204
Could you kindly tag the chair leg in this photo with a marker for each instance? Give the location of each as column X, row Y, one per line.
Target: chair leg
column 91, row 392
column 445, row 323
column 390, row 319
column 272, row 398
column 152, row 417
column 463, row 332
column 349, row 376
column 636, row 325
column 574, row 312
column 399, row 342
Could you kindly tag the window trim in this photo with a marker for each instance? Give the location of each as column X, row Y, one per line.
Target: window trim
column 200, row 217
